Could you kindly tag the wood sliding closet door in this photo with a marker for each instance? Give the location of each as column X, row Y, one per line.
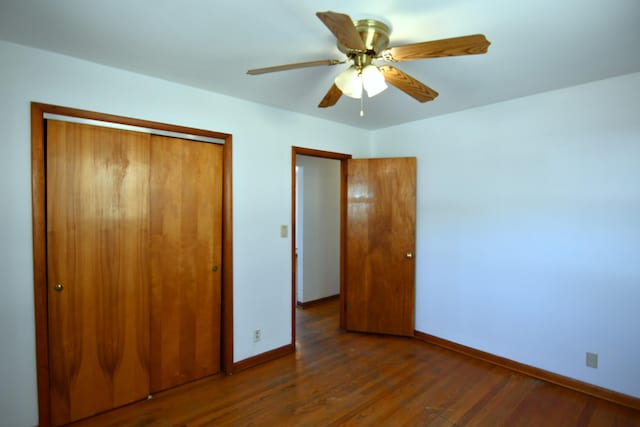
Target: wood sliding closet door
column 98, row 276
column 186, row 245
column 134, row 235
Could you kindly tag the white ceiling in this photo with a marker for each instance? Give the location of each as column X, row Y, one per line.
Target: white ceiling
column 537, row 46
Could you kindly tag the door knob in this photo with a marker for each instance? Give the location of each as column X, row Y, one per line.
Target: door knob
column 409, row 255
column 58, row 287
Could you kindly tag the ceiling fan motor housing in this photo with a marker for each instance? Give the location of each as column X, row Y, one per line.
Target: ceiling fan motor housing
column 374, row 34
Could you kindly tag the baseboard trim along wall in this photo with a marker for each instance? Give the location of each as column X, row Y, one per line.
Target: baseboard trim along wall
column 590, row 389
column 263, row 357
column 308, row 304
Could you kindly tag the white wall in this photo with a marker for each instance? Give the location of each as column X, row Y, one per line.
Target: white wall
column 262, row 140
column 319, row 252
column 528, row 228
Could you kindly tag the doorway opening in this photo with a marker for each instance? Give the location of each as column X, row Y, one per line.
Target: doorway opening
column 318, row 195
column 317, row 229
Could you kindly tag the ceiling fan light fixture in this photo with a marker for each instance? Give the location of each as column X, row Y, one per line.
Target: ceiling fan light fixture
column 349, row 82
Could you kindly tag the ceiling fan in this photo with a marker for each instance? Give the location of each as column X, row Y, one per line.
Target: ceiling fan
column 363, row 41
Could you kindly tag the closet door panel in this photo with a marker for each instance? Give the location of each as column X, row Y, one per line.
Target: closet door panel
column 97, row 204
column 186, row 229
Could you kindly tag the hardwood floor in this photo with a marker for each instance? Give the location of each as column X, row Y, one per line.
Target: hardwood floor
column 344, row 379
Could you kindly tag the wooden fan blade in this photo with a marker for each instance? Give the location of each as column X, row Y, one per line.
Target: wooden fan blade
column 342, row 27
column 331, row 97
column 408, row 84
column 465, row 45
column 294, row 66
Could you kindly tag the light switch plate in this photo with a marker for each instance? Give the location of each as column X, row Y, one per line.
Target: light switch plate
column 592, row 360
column 284, row 231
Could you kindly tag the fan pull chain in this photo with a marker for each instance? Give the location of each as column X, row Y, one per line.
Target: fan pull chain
column 362, row 99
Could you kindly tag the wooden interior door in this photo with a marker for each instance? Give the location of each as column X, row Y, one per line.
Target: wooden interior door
column 97, row 207
column 186, row 245
column 380, row 245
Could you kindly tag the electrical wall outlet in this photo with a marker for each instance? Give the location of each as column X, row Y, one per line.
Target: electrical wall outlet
column 284, row 231
column 592, row 360
column 257, row 334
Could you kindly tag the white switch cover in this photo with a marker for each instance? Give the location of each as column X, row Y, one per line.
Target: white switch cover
column 284, row 232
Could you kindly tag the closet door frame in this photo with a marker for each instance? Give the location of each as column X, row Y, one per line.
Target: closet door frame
column 38, row 186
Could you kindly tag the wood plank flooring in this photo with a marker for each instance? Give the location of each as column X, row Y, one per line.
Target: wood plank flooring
column 344, row 379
